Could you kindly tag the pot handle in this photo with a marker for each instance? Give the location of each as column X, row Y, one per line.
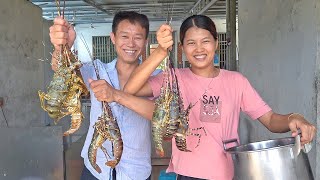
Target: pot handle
column 305, row 148
column 229, row 141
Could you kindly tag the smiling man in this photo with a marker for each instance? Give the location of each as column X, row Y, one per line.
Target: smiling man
column 129, row 36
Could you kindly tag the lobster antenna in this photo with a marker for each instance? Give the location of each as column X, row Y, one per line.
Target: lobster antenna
column 169, row 12
column 91, row 57
column 58, row 6
column 105, row 104
column 61, row 46
column 64, row 7
column 168, row 21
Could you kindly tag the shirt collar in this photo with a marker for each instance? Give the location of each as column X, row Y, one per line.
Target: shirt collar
column 112, row 65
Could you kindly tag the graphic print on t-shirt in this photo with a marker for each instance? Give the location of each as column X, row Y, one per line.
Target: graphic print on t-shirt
column 210, row 108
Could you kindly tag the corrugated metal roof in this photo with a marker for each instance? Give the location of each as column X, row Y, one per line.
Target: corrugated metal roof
column 102, row 11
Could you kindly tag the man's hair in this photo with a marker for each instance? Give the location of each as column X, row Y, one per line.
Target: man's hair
column 132, row 17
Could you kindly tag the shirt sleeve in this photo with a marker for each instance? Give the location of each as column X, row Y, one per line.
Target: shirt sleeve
column 155, row 72
column 251, row 102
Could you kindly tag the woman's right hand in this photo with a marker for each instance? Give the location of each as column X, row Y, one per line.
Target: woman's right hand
column 164, row 37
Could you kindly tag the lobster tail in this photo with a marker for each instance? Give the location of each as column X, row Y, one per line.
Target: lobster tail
column 93, row 158
column 97, row 168
column 157, row 138
column 96, row 142
column 76, row 120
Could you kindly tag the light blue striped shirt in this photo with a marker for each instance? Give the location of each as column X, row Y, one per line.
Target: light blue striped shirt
column 135, row 162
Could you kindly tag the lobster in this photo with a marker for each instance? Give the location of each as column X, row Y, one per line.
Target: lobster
column 183, row 120
column 106, row 128
column 178, row 124
column 160, row 115
column 65, row 91
column 181, row 134
column 179, row 117
column 174, row 110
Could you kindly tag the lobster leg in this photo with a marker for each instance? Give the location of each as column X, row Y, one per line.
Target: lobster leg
column 198, row 134
column 105, row 152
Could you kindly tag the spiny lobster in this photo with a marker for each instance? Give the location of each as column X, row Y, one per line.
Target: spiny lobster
column 65, row 91
column 161, row 114
column 170, row 119
column 106, row 128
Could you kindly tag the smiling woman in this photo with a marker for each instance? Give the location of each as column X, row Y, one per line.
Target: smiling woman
column 217, row 96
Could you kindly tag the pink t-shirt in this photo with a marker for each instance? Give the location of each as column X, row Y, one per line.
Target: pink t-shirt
column 218, row 102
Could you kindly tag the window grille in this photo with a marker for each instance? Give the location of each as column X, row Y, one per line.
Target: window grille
column 103, row 48
column 222, row 51
column 152, row 39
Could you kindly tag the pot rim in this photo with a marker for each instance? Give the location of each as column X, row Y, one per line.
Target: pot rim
column 233, row 150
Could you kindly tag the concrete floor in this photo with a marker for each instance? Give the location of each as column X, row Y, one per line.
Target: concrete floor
column 74, row 162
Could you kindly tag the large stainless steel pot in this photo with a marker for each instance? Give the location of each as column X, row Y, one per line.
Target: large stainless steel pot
column 278, row 159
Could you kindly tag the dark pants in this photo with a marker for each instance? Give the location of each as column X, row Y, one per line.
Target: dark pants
column 180, row 177
column 86, row 175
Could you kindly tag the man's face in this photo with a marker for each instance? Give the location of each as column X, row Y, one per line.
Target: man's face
column 129, row 41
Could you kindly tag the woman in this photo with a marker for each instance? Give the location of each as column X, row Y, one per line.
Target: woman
column 218, row 96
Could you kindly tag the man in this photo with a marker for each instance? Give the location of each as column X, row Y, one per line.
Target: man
column 129, row 36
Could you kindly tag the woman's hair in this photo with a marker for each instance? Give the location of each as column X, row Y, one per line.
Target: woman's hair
column 132, row 17
column 199, row 21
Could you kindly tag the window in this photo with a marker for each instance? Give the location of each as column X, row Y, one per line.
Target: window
column 222, row 49
column 103, row 48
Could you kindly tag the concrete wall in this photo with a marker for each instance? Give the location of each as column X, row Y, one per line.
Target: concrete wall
column 21, row 74
column 278, row 54
column 317, row 78
column 48, row 72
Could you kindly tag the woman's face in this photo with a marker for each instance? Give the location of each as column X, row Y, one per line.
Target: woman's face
column 199, row 47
